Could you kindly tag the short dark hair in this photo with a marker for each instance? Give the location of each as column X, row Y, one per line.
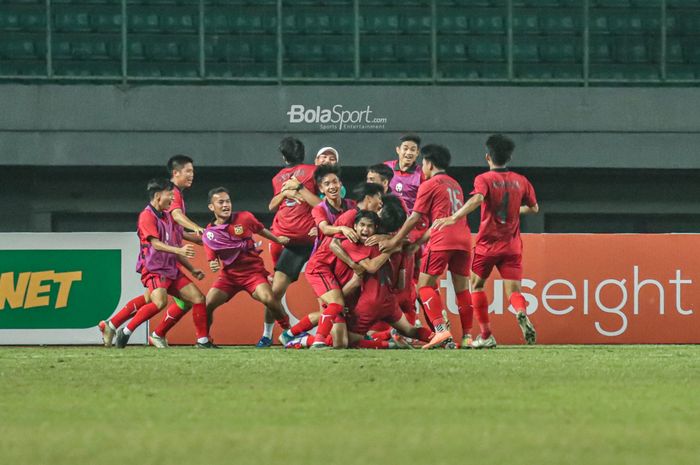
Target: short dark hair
column 156, row 185
column 382, row 170
column 292, row 149
column 177, row 162
column 438, row 155
column 364, row 189
column 217, row 190
column 500, row 148
column 370, row 215
column 410, row 138
column 324, row 170
column 392, row 214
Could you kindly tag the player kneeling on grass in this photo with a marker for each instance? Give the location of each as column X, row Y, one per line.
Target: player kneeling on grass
column 158, row 261
column 230, row 249
column 378, row 297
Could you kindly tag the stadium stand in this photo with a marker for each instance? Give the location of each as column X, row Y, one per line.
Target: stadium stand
column 318, row 39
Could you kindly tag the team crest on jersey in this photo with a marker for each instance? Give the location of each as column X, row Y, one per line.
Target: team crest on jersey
column 238, row 229
column 399, row 187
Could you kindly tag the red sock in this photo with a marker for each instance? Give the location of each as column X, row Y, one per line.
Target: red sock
column 200, row 319
column 518, row 302
column 481, row 308
column 382, row 335
column 129, row 309
column 466, row 313
column 301, row 327
column 172, row 315
column 325, row 324
column 284, row 322
column 411, row 316
column 433, row 306
column 145, row 313
column 424, row 334
column 367, row 344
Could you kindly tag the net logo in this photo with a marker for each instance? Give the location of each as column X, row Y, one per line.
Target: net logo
column 336, row 117
column 33, row 289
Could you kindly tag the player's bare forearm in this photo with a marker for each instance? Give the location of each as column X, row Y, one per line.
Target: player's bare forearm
column 352, row 286
column 269, row 235
column 372, row 265
column 192, row 237
column 401, row 282
column 184, row 251
column 185, row 262
column 527, row 210
column 407, row 227
column 182, row 219
column 472, row 204
column 309, row 197
column 276, row 201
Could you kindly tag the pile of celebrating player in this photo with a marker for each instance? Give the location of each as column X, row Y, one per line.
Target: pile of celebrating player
column 368, row 261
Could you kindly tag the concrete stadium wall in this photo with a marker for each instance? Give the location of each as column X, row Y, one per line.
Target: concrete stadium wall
column 77, row 125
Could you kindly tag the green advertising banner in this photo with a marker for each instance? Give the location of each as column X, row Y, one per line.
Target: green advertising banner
column 57, row 289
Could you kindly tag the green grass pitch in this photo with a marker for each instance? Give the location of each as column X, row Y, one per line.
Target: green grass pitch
column 512, row 405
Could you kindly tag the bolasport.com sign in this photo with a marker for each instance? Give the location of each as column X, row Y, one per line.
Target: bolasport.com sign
column 337, row 117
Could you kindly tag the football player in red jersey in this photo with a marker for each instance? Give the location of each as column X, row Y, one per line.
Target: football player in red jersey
column 448, row 248
column 503, row 196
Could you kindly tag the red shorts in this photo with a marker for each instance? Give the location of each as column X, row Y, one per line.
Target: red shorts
column 509, row 266
column 153, row 281
column 365, row 315
column 233, row 280
column 322, row 280
column 435, row 262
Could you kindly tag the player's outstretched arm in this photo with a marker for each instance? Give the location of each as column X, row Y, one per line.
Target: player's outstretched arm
column 196, row 272
column 182, row 219
column 339, row 252
column 526, row 210
column 408, row 225
column 372, row 265
column 329, row 230
column 186, row 251
column 472, row 204
column 267, row 234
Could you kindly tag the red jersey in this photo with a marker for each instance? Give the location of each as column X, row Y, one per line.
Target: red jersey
column 356, row 251
column 178, row 201
column 147, row 226
column 504, row 192
column 379, row 289
column 242, row 225
column 438, row 197
column 293, row 219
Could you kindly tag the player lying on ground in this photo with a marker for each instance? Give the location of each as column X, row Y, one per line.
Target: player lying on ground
column 230, row 249
column 503, row 196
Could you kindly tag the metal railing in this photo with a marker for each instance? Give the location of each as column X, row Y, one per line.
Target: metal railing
column 435, row 77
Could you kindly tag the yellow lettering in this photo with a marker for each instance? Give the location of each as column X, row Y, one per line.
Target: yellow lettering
column 9, row 293
column 36, row 289
column 65, row 280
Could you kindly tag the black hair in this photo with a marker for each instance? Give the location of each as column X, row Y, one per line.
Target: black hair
column 177, row 162
column 370, row 215
column 500, row 148
column 292, row 149
column 382, row 170
column 365, row 189
column 410, row 138
column 438, row 155
column 323, row 171
column 216, row 190
column 156, row 185
column 392, row 214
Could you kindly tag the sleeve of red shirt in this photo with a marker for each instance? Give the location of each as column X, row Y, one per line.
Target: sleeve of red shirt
column 480, row 186
column 276, row 186
column 309, row 182
column 357, row 252
column 147, row 227
column 423, row 200
column 177, row 201
column 319, row 214
column 529, row 199
column 251, row 222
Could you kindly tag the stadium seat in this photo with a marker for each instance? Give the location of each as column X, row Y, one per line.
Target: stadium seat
column 560, row 49
column 318, row 70
column 452, row 49
column 303, row 49
column 525, row 22
column 159, row 49
column 380, row 21
column 625, row 72
column 264, row 50
column 453, row 21
column 87, row 68
column 525, row 50
column 682, row 72
column 487, row 21
column 380, row 50
column 631, row 50
column 391, row 71
column 486, row 50
column 71, row 21
column 415, row 21
column 216, row 21
column 22, row 68
column 104, row 21
column 564, row 21
column 179, row 22
column 9, row 21
column 18, row 47
column 339, row 50
column 143, row 21
column 600, row 50
column 230, row 49
column 529, row 71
